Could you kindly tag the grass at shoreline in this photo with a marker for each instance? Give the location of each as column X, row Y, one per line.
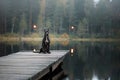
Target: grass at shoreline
column 7, row 39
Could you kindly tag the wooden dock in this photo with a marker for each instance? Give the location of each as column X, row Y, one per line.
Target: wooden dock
column 27, row 65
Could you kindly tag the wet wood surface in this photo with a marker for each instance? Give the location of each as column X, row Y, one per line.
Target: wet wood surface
column 28, row 65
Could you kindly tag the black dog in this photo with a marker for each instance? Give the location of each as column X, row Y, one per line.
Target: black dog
column 45, row 42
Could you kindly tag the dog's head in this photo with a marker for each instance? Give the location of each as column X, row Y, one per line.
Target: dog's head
column 46, row 32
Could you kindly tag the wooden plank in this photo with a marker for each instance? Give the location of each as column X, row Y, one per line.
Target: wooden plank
column 28, row 65
column 14, row 77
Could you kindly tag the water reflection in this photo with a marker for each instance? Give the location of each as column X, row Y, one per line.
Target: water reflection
column 95, row 77
column 6, row 49
column 90, row 60
column 93, row 61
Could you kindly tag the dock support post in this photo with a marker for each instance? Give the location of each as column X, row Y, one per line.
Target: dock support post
column 50, row 73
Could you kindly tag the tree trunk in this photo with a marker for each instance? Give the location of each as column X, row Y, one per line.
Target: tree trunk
column 30, row 18
column 5, row 24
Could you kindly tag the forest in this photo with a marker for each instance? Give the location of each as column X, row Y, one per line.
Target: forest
column 81, row 18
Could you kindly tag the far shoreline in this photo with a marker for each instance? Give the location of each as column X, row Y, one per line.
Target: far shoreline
column 7, row 39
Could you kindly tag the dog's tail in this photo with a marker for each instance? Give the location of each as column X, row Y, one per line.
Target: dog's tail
column 41, row 50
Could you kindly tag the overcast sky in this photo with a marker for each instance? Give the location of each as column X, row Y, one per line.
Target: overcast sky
column 96, row 1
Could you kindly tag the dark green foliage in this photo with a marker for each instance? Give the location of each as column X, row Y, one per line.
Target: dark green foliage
column 103, row 18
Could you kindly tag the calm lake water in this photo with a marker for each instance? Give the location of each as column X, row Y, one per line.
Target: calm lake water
column 90, row 60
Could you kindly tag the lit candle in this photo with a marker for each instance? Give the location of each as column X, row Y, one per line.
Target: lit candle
column 72, row 27
column 72, row 50
column 34, row 50
column 34, row 26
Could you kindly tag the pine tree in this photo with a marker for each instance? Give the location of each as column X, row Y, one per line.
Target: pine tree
column 41, row 17
column 22, row 25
